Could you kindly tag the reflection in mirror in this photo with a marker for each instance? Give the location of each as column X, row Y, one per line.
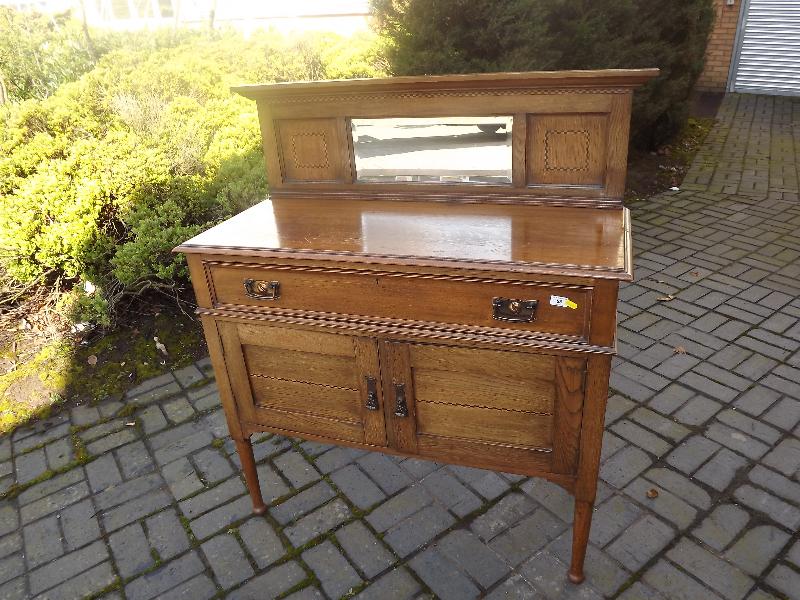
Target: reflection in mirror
column 433, row 150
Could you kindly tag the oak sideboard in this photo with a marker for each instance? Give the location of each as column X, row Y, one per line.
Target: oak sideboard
column 434, row 275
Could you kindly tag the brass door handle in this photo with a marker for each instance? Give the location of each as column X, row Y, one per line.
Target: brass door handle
column 262, row 290
column 372, row 393
column 400, row 406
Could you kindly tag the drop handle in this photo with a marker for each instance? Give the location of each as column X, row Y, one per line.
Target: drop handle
column 400, row 406
column 372, row 393
column 262, row 290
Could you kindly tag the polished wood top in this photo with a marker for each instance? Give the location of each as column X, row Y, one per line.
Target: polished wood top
column 576, row 78
column 585, row 242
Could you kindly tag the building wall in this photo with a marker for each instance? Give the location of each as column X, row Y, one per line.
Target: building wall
column 714, row 77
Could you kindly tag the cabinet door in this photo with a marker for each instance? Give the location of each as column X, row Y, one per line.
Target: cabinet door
column 303, row 382
column 504, row 410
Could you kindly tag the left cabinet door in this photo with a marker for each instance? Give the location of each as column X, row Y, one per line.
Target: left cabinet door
column 305, row 383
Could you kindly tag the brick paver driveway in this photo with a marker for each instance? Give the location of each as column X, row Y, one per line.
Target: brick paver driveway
column 705, row 412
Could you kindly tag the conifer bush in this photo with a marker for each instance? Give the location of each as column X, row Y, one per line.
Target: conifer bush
column 464, row 36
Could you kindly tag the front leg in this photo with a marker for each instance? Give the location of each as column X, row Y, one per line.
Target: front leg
column 245, row 450
column 580, row 538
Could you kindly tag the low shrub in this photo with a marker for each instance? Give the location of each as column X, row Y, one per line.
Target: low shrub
column 463, row 36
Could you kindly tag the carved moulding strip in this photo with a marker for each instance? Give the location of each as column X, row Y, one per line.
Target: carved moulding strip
column 373, row 97
column 399, row 329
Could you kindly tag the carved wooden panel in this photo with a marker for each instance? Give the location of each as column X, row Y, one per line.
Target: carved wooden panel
column 567, row 149
column 310, row 149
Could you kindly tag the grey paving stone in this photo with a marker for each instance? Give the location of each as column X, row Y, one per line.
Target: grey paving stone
column 680, row 486
column 66, row 567
column 641, row 437
column 332, row 569
column 514, row 588
column 210, row 499
column 134, row 459
column 721, row 469
column 199, row 587
column 14, row 590
column 59, row 453
column 336, row 458
column 553, row 497
column 111, row 441
column 358, row 488
column 318, row 522
column 756, row 548
column 227, row 560
column 103, row 473
column 664, row 427
column 296, row 469
column 272, row 486
column 471, row 555
column 626, row 464
column 664, row 504
column 302, row 503
column 178, row 410
column 364, row 549
column 640, row 591
column 776, row 483
column 182, row 447
column 84, row 415
column 756, row 400
column 785, row 580
column 446, row 581
column 487, row 484
column 671, row 398
column 397, row 508
column 697, row 411
column 640, row 542
column 785, row 457
column 212, row 521
column 721, row 526
column 602, row 572
column 166, row 534
column 11, row 567
column 749, row 425
column 87, row 584
column 675, row 584
column 152, row 419
column 212, row 466
column 42, row 541
column 691, row 454
column 611, row 518
column 122, row 492
column 10, row 543
column 785, row 414
column 135, row 509
column 385, row 471
column 53, row 502
column 131, row 550
column 155, row 583
column 9, row 517
column 527, row 536
column 509, row 510
column 737, row 441
column 546, row 572
column 271, row 584
column 307, row 593
column 188, row 375
column 396, row 584
column 261, row 542
column 29, row 466
column 79, row 524
column 725, row 579
column 150, row 384
column 451, row 492
column 48, row 434
column 418, row 529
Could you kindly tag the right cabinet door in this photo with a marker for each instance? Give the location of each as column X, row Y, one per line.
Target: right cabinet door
column 496, row 409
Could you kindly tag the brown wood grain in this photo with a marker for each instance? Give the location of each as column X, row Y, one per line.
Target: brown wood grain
column 368, row 366
column 569, row 384
column 396, row 370
column 307, row 367
column 332, row 402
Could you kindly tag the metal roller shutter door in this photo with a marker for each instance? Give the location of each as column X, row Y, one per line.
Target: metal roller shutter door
column 768, row 53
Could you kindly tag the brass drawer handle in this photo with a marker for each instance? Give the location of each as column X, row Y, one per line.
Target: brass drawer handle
column 262, row 290
column 513, row 310
column 400, row 406
column 372, row 393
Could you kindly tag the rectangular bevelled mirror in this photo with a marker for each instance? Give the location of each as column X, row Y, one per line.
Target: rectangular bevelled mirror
column 459, row 150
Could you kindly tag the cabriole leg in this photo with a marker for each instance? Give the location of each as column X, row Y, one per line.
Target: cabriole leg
column 580, row 538
column 245, row 450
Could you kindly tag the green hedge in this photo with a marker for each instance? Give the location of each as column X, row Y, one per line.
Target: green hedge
column 464, row 36
column 101, row 179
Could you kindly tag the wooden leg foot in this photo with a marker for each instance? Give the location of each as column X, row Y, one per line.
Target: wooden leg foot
column 580, row 538
column 245, row 450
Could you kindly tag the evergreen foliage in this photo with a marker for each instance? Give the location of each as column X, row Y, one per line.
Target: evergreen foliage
column 101, row 178
column 464, row 36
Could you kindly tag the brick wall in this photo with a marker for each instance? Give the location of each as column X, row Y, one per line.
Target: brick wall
column 720, row 47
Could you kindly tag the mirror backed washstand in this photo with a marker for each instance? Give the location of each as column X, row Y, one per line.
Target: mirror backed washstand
column 434, row 275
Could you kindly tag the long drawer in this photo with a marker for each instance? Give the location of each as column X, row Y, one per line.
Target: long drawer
column 559, row 310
